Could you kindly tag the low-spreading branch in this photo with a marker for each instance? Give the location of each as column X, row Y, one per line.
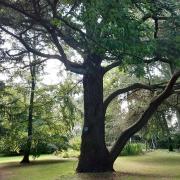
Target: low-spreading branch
column 124, row 90
column 150, row 110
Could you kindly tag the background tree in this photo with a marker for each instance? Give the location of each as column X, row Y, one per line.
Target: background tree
column 52, row 103
column 30, row 112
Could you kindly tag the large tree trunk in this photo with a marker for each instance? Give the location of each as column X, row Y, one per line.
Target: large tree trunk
column 30, row 118
column 94, row 155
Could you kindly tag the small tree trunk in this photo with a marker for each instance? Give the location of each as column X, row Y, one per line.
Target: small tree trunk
column 27, row 152
column 170, row 144
column 94, row 155
column 170, row 147
column 30, row 118
column 178, row 117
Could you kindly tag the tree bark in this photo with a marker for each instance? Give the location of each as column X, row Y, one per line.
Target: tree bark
column 30, row 118
column 94, row 155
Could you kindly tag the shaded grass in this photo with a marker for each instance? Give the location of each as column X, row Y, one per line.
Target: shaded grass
column 5, row 159
column 154, row 165
column 46, row 167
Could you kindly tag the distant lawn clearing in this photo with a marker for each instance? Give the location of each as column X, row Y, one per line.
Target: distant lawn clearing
column 154, row 165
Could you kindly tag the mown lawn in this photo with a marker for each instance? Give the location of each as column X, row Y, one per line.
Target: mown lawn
column 154, row 165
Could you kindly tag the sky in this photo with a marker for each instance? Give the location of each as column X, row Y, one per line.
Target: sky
column 51, row 76
column 52, row 70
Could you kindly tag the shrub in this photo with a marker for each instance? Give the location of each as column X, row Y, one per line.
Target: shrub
column 163, row 143
column 75, row 143
column 74, row 149
column 173, row 142
column 132, row 149
column 70, row 153
column 177, row 140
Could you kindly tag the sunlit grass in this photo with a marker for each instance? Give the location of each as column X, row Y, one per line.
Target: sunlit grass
column 158, row 163
column 154, row 165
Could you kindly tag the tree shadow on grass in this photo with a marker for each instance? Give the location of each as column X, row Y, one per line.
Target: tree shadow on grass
column 34, row 163
column 113, row 176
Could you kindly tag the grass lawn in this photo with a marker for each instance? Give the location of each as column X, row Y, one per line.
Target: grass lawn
column 154, row 165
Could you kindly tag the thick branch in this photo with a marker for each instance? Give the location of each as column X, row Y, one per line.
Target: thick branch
column 111, row 66
column 16, row 54
column 124, row 137
column 156, row 28
column 30, row 49
column 67, row 37
column 74, row 67
column 157, row 58
column 124, row 90
column 147, row 16
column 2, row 85
column 15, row 7
column 119, row 62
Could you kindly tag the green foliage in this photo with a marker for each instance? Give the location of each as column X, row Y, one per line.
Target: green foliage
column 75, row 143
column 73, row 148
column 116, row 27
column 55, row 22
column 55, row 114
column 70, row 153
column 43, row 143
column 133, row 149
column 176, row 140
column 164, row 142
